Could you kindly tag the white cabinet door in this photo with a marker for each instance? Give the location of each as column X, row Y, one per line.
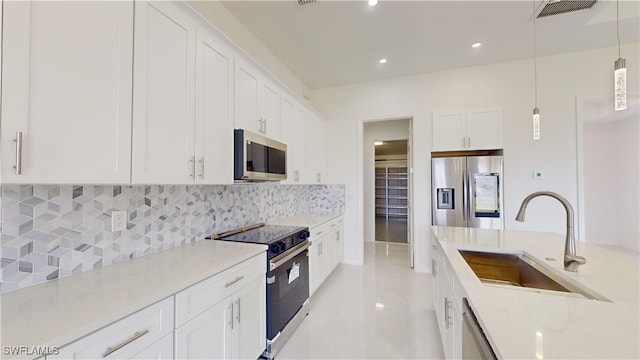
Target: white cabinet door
column 66, row 87
column 316, row 150
column 214, row 110
column 484, row 129
column 163, row 105
column 292, row 126
column 470, row 130
column 257, row 102
column 269, row 109
column 314, row 279
column 160, row 350
column 250, row 330
column 246, row 98
column 448, row 131
column 207, row 336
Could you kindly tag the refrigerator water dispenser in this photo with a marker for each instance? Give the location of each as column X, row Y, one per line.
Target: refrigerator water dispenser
column 445, row 198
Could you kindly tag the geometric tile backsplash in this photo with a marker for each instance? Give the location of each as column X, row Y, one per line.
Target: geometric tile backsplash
column 52, row 231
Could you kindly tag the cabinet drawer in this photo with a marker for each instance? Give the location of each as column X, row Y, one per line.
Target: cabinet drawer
column 205, row 294
column 319, row 231
column 126, row 337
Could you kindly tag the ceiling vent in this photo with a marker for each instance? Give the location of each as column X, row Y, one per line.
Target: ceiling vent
column 556, row 7
column 305, row 2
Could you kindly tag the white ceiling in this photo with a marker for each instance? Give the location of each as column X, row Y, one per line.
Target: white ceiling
column 331, row 43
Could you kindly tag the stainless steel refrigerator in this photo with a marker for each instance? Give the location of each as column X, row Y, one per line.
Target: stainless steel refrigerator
column 467, row 191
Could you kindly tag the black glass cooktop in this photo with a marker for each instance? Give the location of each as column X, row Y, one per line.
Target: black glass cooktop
column 265, row 234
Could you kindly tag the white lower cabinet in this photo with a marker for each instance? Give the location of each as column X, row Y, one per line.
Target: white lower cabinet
column 326, row 251
column 447, row 303
column 233, row 327
column 160, row 350
column 127, row 338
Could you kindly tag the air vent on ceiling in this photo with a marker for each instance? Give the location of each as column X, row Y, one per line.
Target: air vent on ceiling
column 556, row 7
column 305, row 2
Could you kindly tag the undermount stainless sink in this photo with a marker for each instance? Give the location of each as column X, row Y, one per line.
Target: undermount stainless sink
column 520, row 270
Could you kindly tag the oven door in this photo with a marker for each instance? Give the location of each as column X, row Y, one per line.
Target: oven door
column 287, row 287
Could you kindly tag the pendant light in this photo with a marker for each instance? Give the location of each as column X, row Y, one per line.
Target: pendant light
column 620, row 71
column 536, row 111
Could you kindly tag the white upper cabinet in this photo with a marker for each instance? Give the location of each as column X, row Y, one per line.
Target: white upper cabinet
column 316, row 137
column 257, row 101
column 292, row 127
column 484, row 129
column 467, row 130
column 163, row 103
column 182, row 106
column 66, row 88
column 214, row 111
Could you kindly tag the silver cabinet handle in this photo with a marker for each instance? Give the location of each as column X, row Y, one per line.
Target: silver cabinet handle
column 260, row 125
column 111, row 349
column 434, row 268
column 192, row 166
column 238, row 316
column 231, row 317
column 234, row 281
column 297, row 172
column 265, row 126
column 446, row 312
column 468, row 141
column 318, row 177
column 201, row 162
column 18, row 141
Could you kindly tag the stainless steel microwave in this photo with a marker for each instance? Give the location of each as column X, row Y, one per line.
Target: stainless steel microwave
column 258, row 158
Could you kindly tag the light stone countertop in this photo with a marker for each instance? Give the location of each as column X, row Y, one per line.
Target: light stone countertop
column 58, row 312
column 522, row 324
column 310, row 220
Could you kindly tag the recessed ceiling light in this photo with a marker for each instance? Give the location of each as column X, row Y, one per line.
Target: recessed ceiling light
column 382, row 61
column 377, row 143
column 476, row 45
column 373, row 2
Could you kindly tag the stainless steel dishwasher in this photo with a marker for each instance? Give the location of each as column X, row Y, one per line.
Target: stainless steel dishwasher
column 474, row 343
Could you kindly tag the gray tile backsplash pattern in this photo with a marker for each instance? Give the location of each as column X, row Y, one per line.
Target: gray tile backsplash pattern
column 52, row 231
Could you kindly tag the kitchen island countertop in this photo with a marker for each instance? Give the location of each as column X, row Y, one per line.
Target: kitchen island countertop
column 523, row 324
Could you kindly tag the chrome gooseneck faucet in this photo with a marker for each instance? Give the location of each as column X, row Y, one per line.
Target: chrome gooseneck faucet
column 571, row 260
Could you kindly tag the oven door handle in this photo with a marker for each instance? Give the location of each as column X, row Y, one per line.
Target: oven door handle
column 288, row 255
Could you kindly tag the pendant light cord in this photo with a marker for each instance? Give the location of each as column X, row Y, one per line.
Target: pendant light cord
column 535, row 63
column 618, row 25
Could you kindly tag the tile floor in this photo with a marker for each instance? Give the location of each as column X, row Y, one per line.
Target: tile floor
column 391, row 230
column 347, row 320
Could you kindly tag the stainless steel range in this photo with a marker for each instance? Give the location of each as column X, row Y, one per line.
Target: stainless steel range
column 287, row 277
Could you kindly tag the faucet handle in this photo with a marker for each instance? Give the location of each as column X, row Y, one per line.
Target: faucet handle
column 571, row 262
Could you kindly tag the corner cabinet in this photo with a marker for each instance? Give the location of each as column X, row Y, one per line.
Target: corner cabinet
column 467, row 130
column 66, row 92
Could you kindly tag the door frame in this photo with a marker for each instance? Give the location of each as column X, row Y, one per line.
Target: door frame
column 410, row 192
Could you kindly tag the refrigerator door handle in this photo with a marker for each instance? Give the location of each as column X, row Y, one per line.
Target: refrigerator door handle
column 464, row 196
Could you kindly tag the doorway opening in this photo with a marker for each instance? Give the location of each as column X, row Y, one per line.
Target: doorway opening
column 609, row 172
column 391, row 190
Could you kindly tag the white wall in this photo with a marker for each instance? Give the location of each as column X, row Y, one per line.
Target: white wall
column 379, row 130
column 612, row 182
column 508, row 85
